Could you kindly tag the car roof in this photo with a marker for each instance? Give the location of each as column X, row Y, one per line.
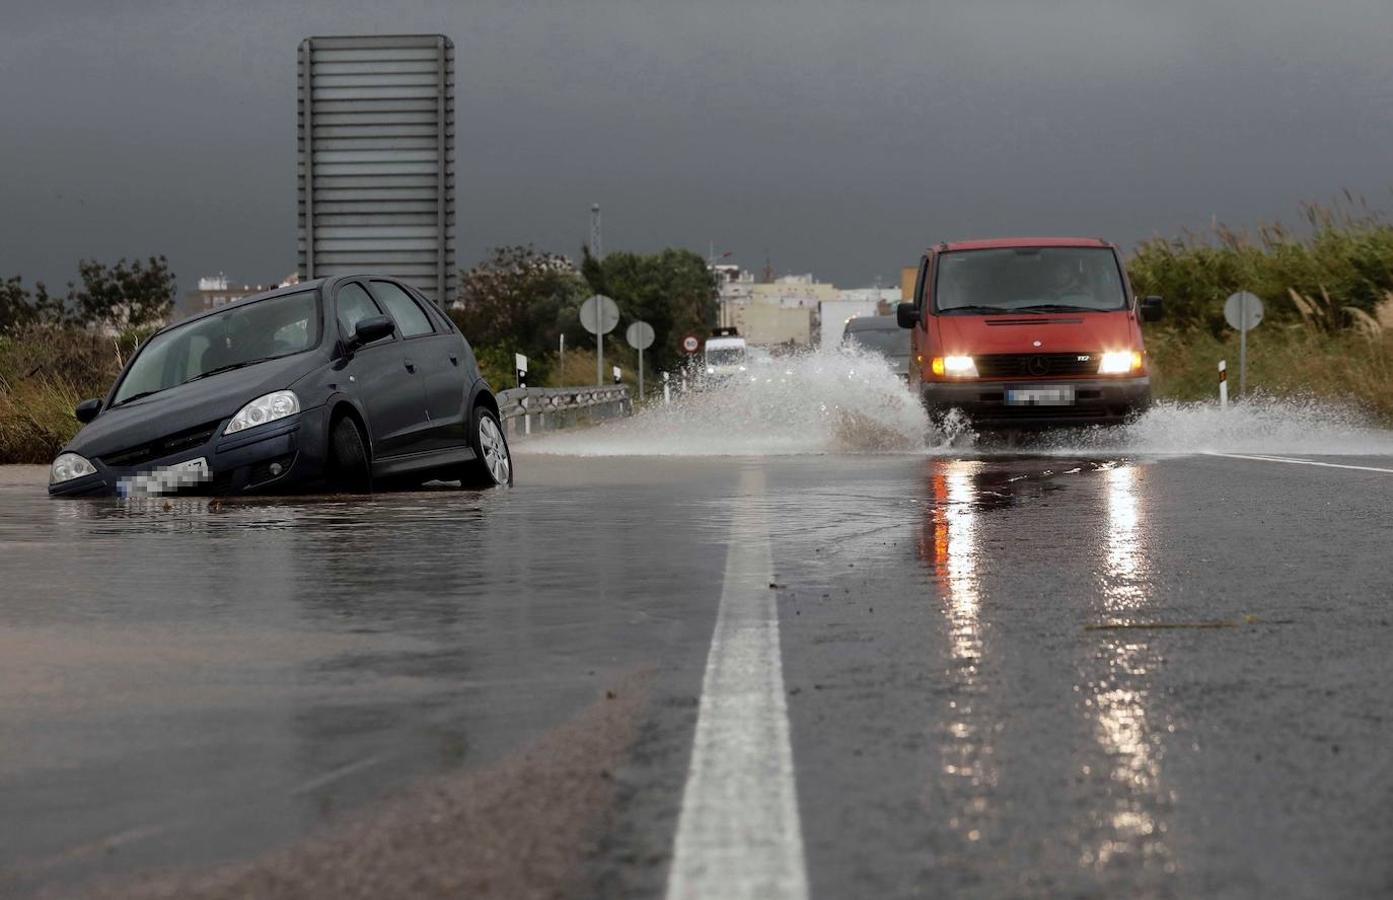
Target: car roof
column 313, row 284
column 871, row 323
column 1003, row 243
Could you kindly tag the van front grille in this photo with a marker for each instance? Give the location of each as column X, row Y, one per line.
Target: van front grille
column 1036, row 365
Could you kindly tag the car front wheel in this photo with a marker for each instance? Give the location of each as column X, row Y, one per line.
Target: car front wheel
column 492, row 465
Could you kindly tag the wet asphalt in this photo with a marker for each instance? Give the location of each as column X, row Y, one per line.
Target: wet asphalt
column 1004, row 676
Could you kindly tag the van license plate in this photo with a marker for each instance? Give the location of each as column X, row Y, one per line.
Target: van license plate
column 1057, row 395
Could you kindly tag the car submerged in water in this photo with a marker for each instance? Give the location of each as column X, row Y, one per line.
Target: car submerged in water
column 1028, row 332
column 332, row 383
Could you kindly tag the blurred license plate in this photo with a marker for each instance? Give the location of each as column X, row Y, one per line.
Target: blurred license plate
column 166, row 480
column 1057, row 395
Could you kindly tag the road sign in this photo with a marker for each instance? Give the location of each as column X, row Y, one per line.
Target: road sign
column 1243, row 311
column 599, row 315
column 602, row 307
column 389, row 208
column 691, row 344
column 639, row 335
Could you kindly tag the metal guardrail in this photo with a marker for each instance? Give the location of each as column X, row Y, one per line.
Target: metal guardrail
column 546, row 409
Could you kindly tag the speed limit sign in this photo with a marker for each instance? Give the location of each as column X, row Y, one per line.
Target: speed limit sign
column 691, row 344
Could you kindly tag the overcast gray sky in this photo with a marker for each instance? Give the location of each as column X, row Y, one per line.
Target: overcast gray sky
column 840, row 138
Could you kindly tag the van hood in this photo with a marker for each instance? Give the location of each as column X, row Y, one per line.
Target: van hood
column 1035, row 333
column 188, row 406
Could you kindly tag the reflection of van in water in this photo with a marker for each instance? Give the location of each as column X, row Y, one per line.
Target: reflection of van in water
column 1030, row 331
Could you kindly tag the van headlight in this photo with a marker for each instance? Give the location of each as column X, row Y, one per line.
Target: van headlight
column 273, row 406
column 69, row 466
column 1120, row 362
column 954, row 366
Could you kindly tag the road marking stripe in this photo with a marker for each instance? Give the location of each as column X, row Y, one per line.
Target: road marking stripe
column 738, row 835
column 333, row 775
column 1299, row 462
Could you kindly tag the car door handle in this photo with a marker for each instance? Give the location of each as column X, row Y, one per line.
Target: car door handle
column 410, row 366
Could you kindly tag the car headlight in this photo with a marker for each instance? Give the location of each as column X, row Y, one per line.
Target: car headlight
column 69, row 466
column 1120, row 362
column 273, row 406
column 954, row 366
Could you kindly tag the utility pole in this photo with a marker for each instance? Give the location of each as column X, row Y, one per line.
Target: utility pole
column 596, row 247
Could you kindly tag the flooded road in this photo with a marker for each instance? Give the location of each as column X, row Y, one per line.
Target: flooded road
column 1082, row 673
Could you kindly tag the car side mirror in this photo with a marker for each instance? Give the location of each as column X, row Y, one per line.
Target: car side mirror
column 87, row 410
column 1152, row 309
column 907, row 314
column 373, row 328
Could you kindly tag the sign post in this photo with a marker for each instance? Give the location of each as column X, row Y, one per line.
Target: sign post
column 520, row 367
column 640, row 337
column 599, row 315
column 1243, row 311
column 667, row 392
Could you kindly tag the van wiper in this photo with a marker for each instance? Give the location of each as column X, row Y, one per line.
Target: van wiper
column 227, row 368
column 975, row 310
column 1058, row 307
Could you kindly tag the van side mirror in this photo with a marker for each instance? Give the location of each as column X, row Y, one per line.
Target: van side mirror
column 1152, row 309
column 907, row 314
column 373, row 328
column 87, row 410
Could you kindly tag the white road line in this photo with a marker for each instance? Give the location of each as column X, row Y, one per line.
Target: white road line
column 333, row 775
column 1299, row 462
column 739, row 835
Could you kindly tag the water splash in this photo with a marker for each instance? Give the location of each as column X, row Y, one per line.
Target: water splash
column 1260, row 425
column 844, row 400
column 829, row 401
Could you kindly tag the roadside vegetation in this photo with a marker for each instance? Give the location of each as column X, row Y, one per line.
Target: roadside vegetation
column 1327, row 333
column 1327, row 291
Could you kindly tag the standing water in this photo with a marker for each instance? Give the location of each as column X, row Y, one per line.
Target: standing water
column 844, row 400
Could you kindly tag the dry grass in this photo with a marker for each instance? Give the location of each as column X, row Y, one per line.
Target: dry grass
column 1353, row 367
column 44, row 373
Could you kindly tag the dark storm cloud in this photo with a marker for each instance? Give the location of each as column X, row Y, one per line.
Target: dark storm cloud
column 839, row 138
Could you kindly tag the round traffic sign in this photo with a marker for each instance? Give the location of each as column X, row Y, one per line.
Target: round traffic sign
column 599, row 314
column 639, row 335
column 691, row 343
column 1243, row 311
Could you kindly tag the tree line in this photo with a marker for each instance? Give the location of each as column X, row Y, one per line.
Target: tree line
column 524, row 300
column 127, row 296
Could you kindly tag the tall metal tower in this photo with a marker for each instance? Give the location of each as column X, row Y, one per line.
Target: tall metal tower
column 595, row 245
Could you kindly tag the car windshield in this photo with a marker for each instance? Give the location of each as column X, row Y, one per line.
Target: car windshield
column 1028, row 279
column 240, row 335
column 885, row 341
column 725, row 356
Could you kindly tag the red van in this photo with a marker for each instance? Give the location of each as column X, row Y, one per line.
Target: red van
column 1027, row 332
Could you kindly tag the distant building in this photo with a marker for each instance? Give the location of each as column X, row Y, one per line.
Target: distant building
column 215, row 290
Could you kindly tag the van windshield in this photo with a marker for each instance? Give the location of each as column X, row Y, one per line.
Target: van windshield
column 725, row 356
column 1028, row 279
column 240, row 335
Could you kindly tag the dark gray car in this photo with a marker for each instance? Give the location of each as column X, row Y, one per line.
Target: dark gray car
column 883, row 335
column 331, row 383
